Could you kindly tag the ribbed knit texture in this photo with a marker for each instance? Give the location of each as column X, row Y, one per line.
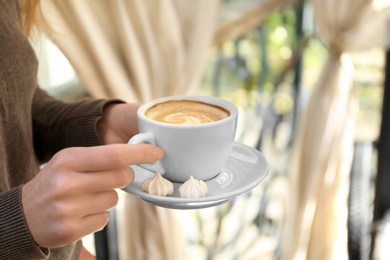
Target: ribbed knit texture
column 33, row 127
column 13, row 227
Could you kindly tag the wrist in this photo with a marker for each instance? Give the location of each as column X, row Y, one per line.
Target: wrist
column 103, row 123
column 118, row 123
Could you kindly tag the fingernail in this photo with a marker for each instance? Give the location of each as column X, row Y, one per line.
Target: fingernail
column 158, row 152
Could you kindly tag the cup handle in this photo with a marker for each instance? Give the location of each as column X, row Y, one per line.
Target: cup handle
column 147, row 138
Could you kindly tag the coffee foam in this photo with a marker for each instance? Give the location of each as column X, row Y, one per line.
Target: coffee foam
column 186, row 112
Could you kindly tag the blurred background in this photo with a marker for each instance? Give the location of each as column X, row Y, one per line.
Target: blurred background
column 309, row 79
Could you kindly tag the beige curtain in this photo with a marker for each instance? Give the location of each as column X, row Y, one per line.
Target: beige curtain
column 136, row 50
column 322, row 153
column 133, row 49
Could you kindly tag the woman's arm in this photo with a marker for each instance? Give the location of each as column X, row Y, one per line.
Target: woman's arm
column 58, row 125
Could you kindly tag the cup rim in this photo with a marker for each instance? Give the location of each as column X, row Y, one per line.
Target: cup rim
column 228, row 105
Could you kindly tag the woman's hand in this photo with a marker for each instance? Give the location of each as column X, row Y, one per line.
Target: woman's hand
column 71, row 195
column 118, row 123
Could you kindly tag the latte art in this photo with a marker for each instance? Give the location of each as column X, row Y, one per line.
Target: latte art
column 186, row 112
column 187, row 118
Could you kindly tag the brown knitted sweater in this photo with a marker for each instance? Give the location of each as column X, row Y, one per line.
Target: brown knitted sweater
column 33, row 126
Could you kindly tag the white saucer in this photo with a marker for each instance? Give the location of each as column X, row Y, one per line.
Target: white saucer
column 245, row 169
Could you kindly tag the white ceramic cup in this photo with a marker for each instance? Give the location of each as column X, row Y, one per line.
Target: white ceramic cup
column 199, row 150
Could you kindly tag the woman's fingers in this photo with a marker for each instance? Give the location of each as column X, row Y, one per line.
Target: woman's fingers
column 93, row 182
column 107, row 157
column 93, row 223
column 71, row 195
column 68, row 232
column 94, row 203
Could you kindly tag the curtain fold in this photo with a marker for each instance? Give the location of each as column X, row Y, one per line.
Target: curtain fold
column 136, row 50
column 319, row 167
column 322, row 153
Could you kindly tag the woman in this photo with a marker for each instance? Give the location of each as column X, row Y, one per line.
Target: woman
column 44, row 212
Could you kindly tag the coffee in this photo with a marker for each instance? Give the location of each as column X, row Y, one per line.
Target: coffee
column 197, row 148
column 186, row 112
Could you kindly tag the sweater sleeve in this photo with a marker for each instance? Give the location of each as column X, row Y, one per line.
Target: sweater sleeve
column 57, row 125
column 14, row 233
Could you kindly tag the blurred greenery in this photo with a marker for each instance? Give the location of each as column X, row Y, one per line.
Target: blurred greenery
column 263, row 59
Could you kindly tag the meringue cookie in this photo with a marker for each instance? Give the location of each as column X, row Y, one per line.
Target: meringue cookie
column 193, row 188
column 157, row 185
